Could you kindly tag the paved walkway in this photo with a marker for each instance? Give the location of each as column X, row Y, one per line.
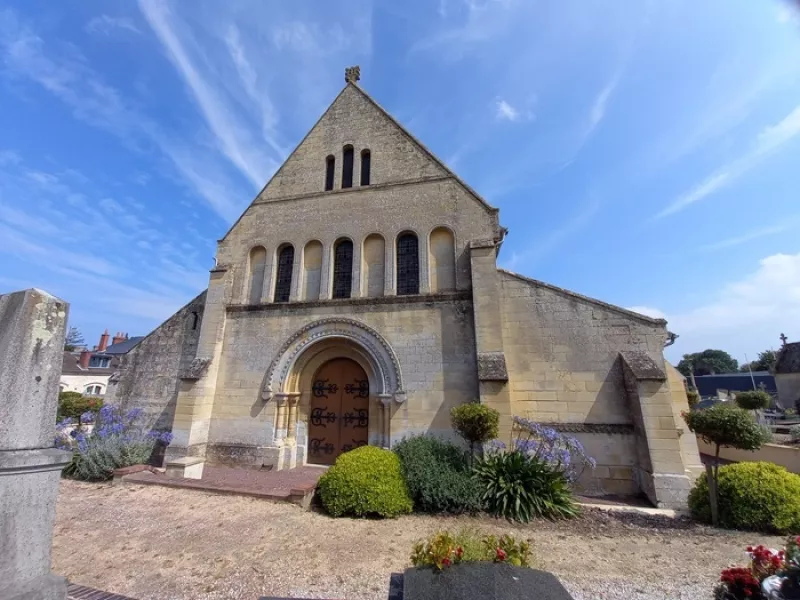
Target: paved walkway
column 291, row 485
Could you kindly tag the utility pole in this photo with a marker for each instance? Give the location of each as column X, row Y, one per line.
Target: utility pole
column 749, row 368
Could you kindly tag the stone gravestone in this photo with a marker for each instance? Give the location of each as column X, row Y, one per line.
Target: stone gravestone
column 32, row 328
column 482, row 581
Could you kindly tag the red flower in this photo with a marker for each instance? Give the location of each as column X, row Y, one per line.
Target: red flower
column 749, row 548
column 446, row 562
column 501, row 554
column 459, row 552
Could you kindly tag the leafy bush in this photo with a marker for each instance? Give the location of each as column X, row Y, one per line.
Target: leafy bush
column 726, row 425
column 752, row 495
column 519, row 487
column 794, row 433
column 445, row 549
column 74, row 404
column 438, row 476
column 367, row 481
column 753, row 400
column 562, row 452
column 693, row 397
column 117, row 440
column 475, row 422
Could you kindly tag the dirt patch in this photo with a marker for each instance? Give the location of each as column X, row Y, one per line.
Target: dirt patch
column 160, row 543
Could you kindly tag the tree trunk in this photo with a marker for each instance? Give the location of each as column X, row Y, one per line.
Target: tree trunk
column 712, row 473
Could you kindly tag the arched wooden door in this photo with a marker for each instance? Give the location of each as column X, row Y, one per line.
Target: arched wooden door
column 339, row 415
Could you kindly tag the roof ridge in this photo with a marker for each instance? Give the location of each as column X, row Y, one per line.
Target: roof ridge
column 424, row 148
column 614, row 307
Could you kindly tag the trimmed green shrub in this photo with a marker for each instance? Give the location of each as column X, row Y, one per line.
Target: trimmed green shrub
column 693, row 397
column 752, row 495
column 365, row 482
column 794, row 433
column 438, row 476
column 75, row 404
column 475, row 422
column 753, row 400
column 519, row 487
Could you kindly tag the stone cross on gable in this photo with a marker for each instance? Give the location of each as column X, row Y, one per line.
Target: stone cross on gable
column 783, row 339
column 352, row 74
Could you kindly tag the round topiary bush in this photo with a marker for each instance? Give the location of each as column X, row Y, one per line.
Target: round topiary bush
column 438, row 476
column 752, row 495
column 753, row 400
column 365, row 482
column 475, row 422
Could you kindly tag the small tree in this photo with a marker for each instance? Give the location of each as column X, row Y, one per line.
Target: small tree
column 707, row 362
column 74, row 340
column 724, row 425
column 693, row 397
column 476, row 423
column 753, row 400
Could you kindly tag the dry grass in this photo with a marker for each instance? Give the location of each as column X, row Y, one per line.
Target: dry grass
column 160, row 543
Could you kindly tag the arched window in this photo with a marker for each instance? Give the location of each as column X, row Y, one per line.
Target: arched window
column 442, row 260
column 93, row 390
column 347, row 167
column 283, row 279
column 365, row 159
column 312, row 270
column 343, row 269
column 258, row 262
column 407, row 264
column 372, row 259
column 330, row 168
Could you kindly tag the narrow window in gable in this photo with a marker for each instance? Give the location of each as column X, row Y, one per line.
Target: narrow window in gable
column 347, row 167
column 407, row 264
column 365, row 165
column 283, row 279
column 330, row 168
column 343, row 269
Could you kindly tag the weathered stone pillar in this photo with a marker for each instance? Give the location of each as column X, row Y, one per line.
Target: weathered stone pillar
column 660, row 470
column 486, row 296
column 32, row 329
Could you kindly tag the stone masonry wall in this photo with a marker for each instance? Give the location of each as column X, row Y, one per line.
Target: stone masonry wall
column 433, row 340
column 351, row 119
column 148, row 375
column 562, row 354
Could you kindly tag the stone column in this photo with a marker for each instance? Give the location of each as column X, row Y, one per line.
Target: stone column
column 486, row 295
column 32, row 329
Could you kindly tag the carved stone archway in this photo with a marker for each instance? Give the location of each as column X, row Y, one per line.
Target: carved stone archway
column 288, row 381
column 281, row 377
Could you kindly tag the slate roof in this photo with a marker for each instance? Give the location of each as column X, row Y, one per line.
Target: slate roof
column 70, row 366
column 788, row 359
column 708, row 385
column 124, row 347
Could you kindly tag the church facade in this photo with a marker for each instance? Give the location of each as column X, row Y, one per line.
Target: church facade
column 358, row 299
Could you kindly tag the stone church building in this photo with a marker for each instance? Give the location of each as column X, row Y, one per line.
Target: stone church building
column 358, row 299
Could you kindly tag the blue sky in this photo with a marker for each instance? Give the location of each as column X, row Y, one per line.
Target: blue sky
column 644, row 153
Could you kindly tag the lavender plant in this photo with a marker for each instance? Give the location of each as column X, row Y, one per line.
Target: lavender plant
column 118, row 439
column 563, row 453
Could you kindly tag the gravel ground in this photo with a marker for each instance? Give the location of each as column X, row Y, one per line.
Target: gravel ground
column 159, row 543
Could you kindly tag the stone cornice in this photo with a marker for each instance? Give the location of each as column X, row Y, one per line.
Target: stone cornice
column 460, row 296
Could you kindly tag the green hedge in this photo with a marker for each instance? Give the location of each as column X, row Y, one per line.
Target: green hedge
column 438, row 476
column 74, row 404
column 365, row 482
column 752, row 495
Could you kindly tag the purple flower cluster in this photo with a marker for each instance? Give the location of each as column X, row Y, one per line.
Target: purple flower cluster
column 109, row 422
column 565, row 453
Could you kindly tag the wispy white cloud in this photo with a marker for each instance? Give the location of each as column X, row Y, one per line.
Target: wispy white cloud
column 103, row 106
column 788, row 13
column 235, row 139
column 746, row 315
column 770, row 140
column 504, row 111
column 600, row 104
column 527, row 257
column 106, row 24
column 789, row 224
